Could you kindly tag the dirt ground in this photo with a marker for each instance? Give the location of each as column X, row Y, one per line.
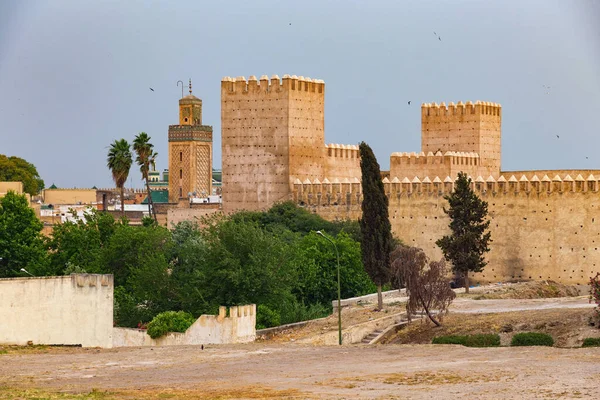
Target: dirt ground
column 293, row 371
column 281, row 368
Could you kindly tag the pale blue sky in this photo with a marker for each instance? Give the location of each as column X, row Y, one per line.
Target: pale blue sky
column 75, row 75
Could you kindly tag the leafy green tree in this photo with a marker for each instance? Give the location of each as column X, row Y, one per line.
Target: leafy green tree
column 245, row 264
column 21, row 244
column 376, row 230
column 468, row 242
column 146, row 156
column 80, row 242
column 189, row 269
column 130, row 247
column 316, row 269
column 119, row 162
column 16, row 169
column 297, row 219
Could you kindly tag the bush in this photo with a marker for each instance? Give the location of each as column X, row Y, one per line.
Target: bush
column 488, row 340
column 266, row 317
column 169, row 321
column 532, row 339
column 591, row 342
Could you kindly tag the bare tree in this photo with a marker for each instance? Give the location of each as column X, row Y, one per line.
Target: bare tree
column 427, row 284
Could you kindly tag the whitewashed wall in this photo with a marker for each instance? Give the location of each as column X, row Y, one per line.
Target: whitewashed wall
column 238, row 327
column 65, row 310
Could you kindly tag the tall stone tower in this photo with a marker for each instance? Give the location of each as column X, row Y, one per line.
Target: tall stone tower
column 464, row 128
column 190, row 151
column 272, row 134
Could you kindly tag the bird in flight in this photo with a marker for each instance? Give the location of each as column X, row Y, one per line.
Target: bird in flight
column 409, row 102
column 558, row 136
column 438, row 36
column 152, row 89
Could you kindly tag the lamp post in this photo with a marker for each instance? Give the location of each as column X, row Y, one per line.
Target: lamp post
column 339, row 307
column 27, row 272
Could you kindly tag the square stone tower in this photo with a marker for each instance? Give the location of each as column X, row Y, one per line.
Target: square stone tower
column 468, row 128
column 272, row 134
column 190, row 151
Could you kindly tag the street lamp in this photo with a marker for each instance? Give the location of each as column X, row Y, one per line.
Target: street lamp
column 339, row 307
column 27, row 272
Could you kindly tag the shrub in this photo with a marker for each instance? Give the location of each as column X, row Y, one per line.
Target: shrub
column 169, row 321
column 591, row 342
column 532, row 339
column 488, row 340
column 266, row 317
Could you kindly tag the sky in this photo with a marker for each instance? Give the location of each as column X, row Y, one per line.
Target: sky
column 75, row 74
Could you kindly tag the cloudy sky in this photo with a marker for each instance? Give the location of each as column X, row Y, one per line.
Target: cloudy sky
column 75, row 74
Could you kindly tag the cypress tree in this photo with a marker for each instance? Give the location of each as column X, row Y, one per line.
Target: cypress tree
column 468, row 241
column 376, row 231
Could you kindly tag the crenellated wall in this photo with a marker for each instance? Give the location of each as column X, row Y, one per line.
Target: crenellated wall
column 237, row 327
column 473, row 128
column 448, row 164
column 63, row 310
column 541, row 228
column 342, row 162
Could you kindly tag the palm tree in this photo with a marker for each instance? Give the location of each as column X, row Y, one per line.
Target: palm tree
column 119, row 162
column 145, row 157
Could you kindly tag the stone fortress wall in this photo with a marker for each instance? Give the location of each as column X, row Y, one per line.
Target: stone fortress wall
column 544, row 223
column 541, row 228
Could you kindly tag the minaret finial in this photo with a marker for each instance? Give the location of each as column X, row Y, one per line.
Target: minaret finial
column 190, row 85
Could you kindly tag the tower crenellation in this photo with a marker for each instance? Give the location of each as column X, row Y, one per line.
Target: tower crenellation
column 470, row 127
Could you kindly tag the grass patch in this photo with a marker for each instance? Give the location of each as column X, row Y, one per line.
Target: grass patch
column 243, row 392
column 591, row 342
column 532, row 339
column 35, row 394
column 481, row 340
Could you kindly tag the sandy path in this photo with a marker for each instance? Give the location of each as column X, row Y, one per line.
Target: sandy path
column 462, row 305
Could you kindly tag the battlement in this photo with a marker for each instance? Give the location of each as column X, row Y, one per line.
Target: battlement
column 449, row 157
column 349, row 191
column 449, row 163
column 275, row 84
column 342, row 150
column 91, row 280
column 236, row 312
column 480, row 107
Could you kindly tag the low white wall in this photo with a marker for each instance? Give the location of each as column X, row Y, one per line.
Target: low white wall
column 238, row 327
column 64, row 310
column 388, row 297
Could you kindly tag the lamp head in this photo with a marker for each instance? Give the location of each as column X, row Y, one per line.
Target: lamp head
column 319, row 233
column 23, row 270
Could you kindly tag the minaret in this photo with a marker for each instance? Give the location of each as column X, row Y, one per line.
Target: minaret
column 190, row 152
